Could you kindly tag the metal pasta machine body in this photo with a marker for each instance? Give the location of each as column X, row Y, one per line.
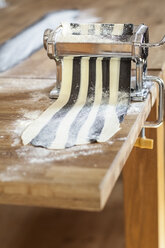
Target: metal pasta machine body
column 106, row 40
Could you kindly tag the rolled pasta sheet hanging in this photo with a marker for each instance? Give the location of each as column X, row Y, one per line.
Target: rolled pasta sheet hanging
column 93, row 99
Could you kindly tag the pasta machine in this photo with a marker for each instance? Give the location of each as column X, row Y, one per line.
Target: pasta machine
column 107, row 40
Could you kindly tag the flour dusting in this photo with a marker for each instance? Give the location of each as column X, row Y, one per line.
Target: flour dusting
column 42, row 156
column 135, row 108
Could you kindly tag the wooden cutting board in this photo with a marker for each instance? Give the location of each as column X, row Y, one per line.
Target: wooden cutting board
column 81, row 177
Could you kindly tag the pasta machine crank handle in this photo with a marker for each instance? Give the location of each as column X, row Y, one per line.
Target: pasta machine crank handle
column 156, row 44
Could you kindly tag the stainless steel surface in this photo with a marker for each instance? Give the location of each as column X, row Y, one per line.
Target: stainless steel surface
column 46, row 36
column 143, row 135
column 114, row 45
column 139, row 95
column 94, row 49
column 54, row 93
column 138, row 33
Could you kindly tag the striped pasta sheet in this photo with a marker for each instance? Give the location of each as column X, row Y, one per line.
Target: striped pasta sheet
column 93, row 100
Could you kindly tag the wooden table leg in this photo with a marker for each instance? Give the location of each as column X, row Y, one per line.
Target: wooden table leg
column 144, row 193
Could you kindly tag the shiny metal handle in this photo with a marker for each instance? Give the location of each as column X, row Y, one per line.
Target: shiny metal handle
column 160, row 83
column 160, row 43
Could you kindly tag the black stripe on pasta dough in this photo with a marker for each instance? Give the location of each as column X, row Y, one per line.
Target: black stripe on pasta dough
column 125, row 75
column 124, row 88
column 83, row 114
column 98, row 124
column 127, row 32
column 48, row 133
column 128, row 29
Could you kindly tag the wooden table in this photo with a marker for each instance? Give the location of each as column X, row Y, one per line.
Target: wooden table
column 82, row 177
